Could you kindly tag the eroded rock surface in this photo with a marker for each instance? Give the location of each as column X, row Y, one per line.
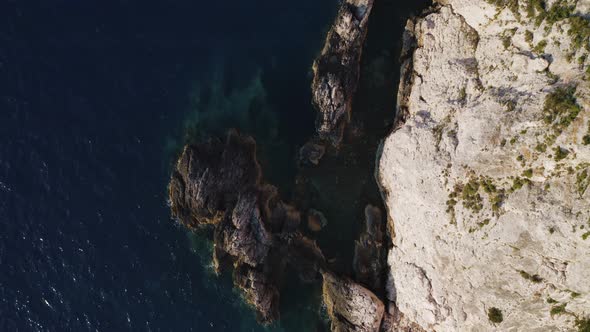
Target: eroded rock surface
column 351, row 307
column 219, row 184
column 486, row 176
column 336, row 70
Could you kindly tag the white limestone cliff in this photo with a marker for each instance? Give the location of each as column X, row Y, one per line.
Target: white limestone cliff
column 485, row 176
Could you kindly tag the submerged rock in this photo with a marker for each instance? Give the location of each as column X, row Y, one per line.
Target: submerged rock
column 311, row 153
column 350, row 306
column 336, row 70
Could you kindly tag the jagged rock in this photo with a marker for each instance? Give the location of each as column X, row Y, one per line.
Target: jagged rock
column 489, row 215
column 260, row 291
column 209, row 178
column 350, row 306
column 219, row 184
column 306, row 258
column 336, row 70
column 369, row 251
column 245, row 236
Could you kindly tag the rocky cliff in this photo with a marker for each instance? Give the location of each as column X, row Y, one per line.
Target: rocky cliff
column 336, row 70
column 485, row 176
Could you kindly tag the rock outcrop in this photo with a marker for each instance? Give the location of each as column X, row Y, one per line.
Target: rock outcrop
column 485, row 177
column 370, row 251
column 350, row 306
column 219, row 184
column 336, row 70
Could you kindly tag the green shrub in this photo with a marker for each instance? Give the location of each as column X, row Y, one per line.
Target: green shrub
column 541, row 147
column 506, row 41
column 528, row 36
column 497, row 200
column 561, row 108
column 583, row 324
column 528, row 173
column 471, row 198
column 558, row 309
column 540, row 47
column 559, row 11
column 560, row 153
column 532, row 278
column 535, row 7
column 582, row 182
column 518, row 183
column 495, row 315
column 579, row 32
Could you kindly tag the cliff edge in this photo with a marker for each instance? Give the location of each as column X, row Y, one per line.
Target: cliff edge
column 485, row 176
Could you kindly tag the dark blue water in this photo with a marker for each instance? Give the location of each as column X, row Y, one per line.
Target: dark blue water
column 95, row 98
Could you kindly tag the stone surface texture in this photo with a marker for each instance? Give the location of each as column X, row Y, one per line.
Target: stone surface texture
column 350, row 306
column 481, row 215
column 218, row 184
column 336, row 70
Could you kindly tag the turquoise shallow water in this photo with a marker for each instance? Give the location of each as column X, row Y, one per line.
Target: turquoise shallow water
column 96, row 98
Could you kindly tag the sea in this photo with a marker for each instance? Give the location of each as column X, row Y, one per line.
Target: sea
column 96, row 100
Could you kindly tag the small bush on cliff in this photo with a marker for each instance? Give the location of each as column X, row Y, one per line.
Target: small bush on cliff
column 528, row 36
column 586, row 138
column 558, row 309
column 471, row 198
column 560, row 153
column 559, row 11
column 532, row 278
column 583, row 324
column 561, row 108
column 535, row 7
column 540, row 47
column 582, row 182
column 579, row 32
column 541, row 147
column 495, row 315
column 518, row 183
column 512, row 5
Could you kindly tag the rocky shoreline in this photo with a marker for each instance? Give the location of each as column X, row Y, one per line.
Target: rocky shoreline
column 486, row 229
column 218, row 184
